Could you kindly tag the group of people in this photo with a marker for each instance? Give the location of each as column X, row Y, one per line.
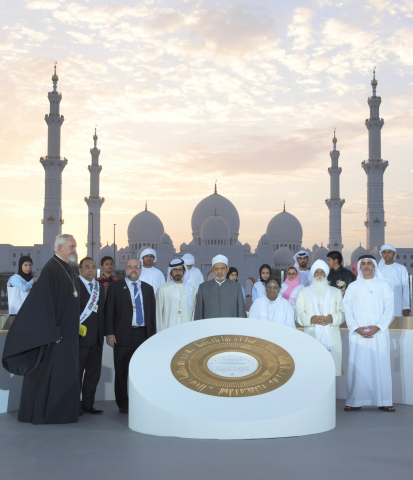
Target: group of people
column 56, row 340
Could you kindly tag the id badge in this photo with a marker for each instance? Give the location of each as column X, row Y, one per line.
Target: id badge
column 95, row 308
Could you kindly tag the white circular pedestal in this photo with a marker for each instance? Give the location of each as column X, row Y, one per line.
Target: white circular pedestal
column 161, row 405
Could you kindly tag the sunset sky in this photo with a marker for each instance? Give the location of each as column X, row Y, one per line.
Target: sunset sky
column 186, row 92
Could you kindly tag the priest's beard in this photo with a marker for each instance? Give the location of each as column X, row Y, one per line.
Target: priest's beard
column 72, row 258
column 320, row 284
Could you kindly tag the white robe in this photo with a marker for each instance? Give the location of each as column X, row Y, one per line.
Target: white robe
column 369, row 302
column 167, row 306
column 305, row 278
column 153, row 276
column 278, row 311
column 398, row 278
column 258, row 290
column 195, row 277
column 304, row 310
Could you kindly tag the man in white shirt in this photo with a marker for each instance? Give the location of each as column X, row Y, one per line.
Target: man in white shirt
column 301, row 260
column 129, row 321
column 369, row 305
column 150, row 274
column 175, row 300
column 398, row 278
column 194, row 275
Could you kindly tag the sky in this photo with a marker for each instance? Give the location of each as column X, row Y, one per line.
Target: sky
column 184, row 92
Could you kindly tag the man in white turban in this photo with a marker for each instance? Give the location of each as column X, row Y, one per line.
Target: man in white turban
column 150, row 274
column 369, row 306
column 220, row 297
column 175, row 300
column 301, row 260
column 398, row 278
column 194, row 275
column 320, row 311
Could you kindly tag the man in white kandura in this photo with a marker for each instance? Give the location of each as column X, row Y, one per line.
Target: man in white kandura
column 150, row 274
column 301, row 260
column 398, row 278
column 272, row 306
column 369, row 306
column 175, row 300
column 194, row 275
column 320, row 311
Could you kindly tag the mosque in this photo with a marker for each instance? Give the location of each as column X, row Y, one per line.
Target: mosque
column 215, row 220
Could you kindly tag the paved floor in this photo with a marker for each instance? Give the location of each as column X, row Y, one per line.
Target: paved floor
column 367, row 444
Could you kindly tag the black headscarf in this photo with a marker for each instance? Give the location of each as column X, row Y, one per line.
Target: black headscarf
column 261, row 269
column 25, row 276
column 232, row 270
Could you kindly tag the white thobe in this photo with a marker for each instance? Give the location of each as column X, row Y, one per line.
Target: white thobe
column 279, row 311
column 398, row 278
column 168, row 305
column 153, row 276
column 304, row 310
column 195, row 277
column 369, row 302
column 305, row 277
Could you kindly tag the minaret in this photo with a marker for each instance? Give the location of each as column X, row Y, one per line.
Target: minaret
column 335, row 203
column 94, row 202
column 53, row 165
column 374, row 168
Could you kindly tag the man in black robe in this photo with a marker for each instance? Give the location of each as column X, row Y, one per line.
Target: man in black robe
column 339, row 277
column 43, row 342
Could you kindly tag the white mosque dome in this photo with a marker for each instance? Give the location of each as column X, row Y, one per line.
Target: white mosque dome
column 145, row 227
column 106, row 251
column 165, row 239
column 283, row 258
column 358, row 252
column 319, row 254
column 247, row 248
column 315, row 246
column 183, row 247
column 222, row 206
column 285, row 229
column 265, row 240
column 215, row 228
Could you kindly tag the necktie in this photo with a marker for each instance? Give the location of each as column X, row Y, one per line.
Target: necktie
column 91, row 287
column 138, row 310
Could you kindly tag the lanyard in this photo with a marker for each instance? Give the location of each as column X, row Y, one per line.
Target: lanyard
column 180, row 299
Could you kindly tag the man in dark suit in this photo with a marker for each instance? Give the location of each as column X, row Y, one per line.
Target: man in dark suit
column 129, row 321
column 92, row 302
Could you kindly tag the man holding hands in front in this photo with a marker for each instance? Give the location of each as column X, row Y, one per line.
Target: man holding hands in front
column 129, row 321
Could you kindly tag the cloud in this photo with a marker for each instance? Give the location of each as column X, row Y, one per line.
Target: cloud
column 82, row 38
column 301, row 28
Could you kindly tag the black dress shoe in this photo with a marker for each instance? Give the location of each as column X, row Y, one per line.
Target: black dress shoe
column 93, row 411
column 81, row 412
column 124, row 410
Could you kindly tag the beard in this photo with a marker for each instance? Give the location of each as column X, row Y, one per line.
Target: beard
column 134, row 275
column 72, row 258
column 220, row 278
column 177, row 278
column 320, row 285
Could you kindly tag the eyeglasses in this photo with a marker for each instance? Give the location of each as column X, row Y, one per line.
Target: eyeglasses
column 291, row 274
column 131, row 267
column 272, row 288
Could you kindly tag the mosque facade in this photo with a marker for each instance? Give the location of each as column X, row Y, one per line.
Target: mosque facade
column 215, row 220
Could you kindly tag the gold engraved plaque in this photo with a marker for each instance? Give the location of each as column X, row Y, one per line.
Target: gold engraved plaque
column 239, row 366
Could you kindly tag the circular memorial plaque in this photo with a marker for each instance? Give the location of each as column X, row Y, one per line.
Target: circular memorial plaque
column 232, row 366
